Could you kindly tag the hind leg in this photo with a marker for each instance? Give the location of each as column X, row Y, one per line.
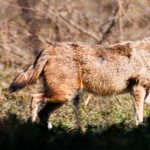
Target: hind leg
column 45, row 113
column 139, row 94
column 53, row 103
column 36, row 102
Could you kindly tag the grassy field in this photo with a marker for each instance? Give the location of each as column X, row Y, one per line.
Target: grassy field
column 106, row 123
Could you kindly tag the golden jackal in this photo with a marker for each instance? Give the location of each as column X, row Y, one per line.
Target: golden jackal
column 67, row 69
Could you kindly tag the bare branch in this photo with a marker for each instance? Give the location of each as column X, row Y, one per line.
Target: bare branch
column 58, row 16
column 110, row 26
column 120, row 14
column 70, row 22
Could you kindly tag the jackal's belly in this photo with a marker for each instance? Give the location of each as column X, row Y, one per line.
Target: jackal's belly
column 107, row 77
column 106, row 87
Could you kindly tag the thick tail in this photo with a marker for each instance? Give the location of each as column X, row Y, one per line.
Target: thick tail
column 31, row 74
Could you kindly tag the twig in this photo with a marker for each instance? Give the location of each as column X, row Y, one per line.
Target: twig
column 64, row 6
column 118, row 100
column 110, row 26
column 120, row 13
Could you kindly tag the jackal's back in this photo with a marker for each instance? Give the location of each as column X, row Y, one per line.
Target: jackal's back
column 102, row 70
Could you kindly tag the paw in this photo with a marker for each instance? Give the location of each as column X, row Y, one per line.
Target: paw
column 49, row 125
column 138, row 122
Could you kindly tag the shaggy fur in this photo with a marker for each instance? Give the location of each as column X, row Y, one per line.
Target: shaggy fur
column 67, row 69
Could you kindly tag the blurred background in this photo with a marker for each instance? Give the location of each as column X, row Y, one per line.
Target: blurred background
column 26, row 26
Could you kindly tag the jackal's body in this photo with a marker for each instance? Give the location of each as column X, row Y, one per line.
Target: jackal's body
column 67, row 68
column 95, row 69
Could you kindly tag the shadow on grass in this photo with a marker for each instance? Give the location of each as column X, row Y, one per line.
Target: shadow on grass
column 16, row 135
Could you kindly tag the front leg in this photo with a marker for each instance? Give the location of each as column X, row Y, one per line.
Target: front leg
column 139, row 94
column 90, row 96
